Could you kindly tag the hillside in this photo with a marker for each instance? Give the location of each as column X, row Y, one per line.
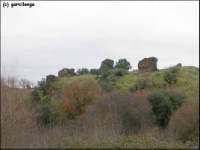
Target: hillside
column 75, row 111
column 188, row 80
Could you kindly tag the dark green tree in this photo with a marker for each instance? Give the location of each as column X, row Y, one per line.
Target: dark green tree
column 123, row 64
column 139, row 85
column 106, row 65
column 163, row 104
column 170, row 76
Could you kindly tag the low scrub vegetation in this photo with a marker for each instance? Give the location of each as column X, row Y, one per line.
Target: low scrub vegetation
column 185, row 122
column 124, row 113
column 77, row 95
column 163, row 104
column 108, row 107
column 139, row 85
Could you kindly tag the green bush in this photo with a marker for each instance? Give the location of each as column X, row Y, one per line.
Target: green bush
column 105, row 85
column 39, row 90
column 106, row 65
column 139, row 85
column 42, row 110
column 42, row 103
column 106, row 81
column 163, row 104
column 123, row 64
column 120, row 72
column 77, row 94
column 108, row 74
column 170, row 76
column 123, row 112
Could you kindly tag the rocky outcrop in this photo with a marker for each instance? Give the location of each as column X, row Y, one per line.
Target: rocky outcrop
column 50, row 78
column 148, row 64
column 65, row 72
column 179, row 65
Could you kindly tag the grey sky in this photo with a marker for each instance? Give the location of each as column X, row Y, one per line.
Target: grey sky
column 51, row 35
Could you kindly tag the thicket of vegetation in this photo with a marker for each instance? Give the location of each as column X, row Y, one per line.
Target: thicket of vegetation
column 163, row 104
column 109, row 107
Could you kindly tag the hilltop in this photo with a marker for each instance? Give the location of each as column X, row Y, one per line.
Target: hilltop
column 112, row 106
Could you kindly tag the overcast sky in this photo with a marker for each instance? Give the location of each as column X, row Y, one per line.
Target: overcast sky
column 51, row 35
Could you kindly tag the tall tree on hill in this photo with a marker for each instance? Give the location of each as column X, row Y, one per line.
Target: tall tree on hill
column 106, row 65
column 123, row 64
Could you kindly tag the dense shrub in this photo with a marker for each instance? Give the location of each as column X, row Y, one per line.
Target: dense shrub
column 105, row 85
column 170, row 76
column 51, row 78
column 157, row 82
column 42, row 110
column 39, row 90
column 106, row 65
column 123, row 64
column 66, row 72
column 163, row 103
column 107, row 79
column 41, row 101
column 185, row 122
column 139, row 85
column 119, row 72
column 78, row 94
column 109, row 74
column 122, row 113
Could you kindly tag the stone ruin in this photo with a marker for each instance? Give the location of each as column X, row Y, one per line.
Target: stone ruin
column 50, row 78
column 179, row 65
column 66, row 72
column 148, row 64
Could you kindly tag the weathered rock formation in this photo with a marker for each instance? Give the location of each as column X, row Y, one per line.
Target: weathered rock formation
column 65, row 72
column 179, row 65
column 50, row 78
column 148, row 64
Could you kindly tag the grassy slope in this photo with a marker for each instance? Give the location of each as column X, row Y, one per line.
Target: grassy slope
column 29, row 134
column 188, row 79
column 60, row 83
column 135, row 141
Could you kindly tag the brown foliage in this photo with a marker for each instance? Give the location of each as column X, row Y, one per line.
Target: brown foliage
column 78, row 94
column 185, row 122
column 121, row 113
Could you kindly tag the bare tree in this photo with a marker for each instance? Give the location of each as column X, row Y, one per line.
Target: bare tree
column 25, row 84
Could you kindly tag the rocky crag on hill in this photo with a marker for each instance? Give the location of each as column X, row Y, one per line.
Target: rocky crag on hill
column 65, row 72
column 148, row 64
